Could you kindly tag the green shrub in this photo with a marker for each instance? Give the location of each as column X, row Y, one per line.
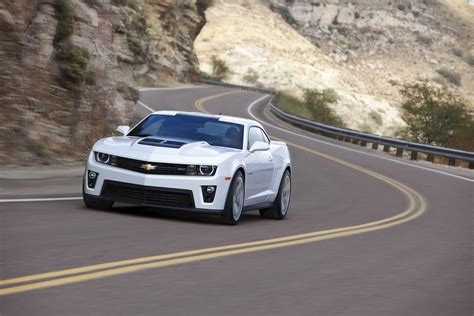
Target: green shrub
column 220, row 70
column 357, row 15
column 72, row 65
column 120, row 2
column 203, row 5
column 204, row 75
column 458, row 52
column 434, row 115
column 251, row 76
column 423, row 39
column 469, row 58
column 376, row 117
column 285, row 13
column 318, row 102
column 35, row 148
column 452, row 76
column 65, row 15
column 315, row 106
column 90, row 78
column 402, row 7
column 135, row 45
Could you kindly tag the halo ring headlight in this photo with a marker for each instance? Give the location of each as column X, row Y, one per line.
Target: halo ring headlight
column 205, row 170
column 102, row 158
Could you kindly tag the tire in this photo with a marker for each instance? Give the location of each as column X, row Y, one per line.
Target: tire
column 235, row 200
column 94, row 202
column 280, row 207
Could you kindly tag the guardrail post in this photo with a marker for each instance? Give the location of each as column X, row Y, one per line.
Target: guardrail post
column 355, row 141
column 452, row 162
column 386, row 148
column 375, row 146
column 414, row 155
column 363, row 143
column 471, row 165
column 430, row 158
column 399, row 152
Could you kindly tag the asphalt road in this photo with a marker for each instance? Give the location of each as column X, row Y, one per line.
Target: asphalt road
column 383, row 237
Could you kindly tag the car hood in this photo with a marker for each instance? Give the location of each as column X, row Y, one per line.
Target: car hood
column 188, row 153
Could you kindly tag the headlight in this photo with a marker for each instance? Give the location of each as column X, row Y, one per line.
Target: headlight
column 206, row 170
column 102, row 158
column 200, row 170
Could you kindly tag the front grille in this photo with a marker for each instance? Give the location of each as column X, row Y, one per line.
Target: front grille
column 146, row 195
column 148, row 167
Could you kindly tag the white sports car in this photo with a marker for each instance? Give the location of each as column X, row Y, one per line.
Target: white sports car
column 191, row 161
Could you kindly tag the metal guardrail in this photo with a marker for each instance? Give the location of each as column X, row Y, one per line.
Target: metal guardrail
column 361, row 138
column 236, row 86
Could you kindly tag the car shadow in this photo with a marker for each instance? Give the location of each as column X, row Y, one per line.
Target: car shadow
column 176, row 215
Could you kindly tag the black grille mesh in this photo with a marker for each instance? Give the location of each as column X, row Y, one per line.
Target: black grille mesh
column 148, row 167
column 145, row 195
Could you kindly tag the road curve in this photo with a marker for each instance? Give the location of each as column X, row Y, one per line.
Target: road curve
column 393, row 260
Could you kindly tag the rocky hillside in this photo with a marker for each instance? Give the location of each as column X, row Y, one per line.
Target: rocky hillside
column 362, row 49
column 69, row 70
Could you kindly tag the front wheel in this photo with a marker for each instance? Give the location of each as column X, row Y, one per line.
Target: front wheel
column 279, row 210
column 235, row 200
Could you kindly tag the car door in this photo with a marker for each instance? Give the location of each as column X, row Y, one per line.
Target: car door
column 260, row 169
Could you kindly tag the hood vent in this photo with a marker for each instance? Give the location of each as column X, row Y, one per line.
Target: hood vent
column 161, row 143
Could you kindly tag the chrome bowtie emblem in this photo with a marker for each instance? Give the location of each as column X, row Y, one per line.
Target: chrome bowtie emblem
column 148, row 166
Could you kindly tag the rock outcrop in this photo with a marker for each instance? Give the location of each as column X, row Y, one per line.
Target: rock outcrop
column 362, row 49
column 69, row 70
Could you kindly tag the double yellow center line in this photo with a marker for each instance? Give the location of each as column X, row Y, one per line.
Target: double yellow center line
column 416, row 207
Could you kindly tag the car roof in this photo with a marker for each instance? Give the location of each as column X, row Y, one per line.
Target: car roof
column 223, row 118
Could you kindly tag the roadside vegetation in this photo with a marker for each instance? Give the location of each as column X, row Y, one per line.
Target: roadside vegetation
column 72, row 59
column 436, row 116
column 314, row 106
column 451, row 76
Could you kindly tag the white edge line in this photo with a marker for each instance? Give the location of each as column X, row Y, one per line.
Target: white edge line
column 40, row 199
column 170, row 88
column 249, row 111
column 145, row 106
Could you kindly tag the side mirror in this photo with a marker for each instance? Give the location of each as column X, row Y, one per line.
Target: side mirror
column 259, row 146
column 123, row 129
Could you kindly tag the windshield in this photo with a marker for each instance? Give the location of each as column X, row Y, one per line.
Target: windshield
column 191, row 128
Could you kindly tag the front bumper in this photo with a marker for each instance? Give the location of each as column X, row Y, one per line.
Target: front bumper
column 167, row 191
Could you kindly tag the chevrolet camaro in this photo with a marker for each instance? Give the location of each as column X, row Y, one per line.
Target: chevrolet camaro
column 192, row 162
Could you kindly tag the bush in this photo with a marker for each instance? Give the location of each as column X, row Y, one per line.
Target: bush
column 73, row 62
column 203, row 5
column 401, row 7
column 469, row 58
column 251, row 76
column 318, row 102
column 90, row 78
column 436, row 116
column 135, row 45
column 357, row 15
column 120, row 2
column 425, row 40
column 376, row 117
column 452, row 76
column 285, row 13
column 458, row 52
column 220, row 70
column 65, row 15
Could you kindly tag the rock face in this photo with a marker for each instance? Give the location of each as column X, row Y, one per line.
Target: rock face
column 58, row 95
column 391, row 41
column 361, row 48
